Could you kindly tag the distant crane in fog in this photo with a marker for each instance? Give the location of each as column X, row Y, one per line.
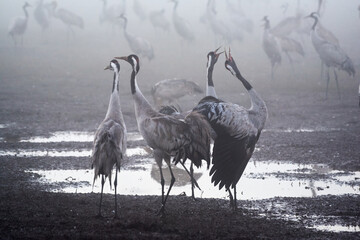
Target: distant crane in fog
column 110, row 14
column 138, row 45
column 218, row 27
column 181, row 26
column 139, row 10
column 271, row 47
column 331, row 54
column 158, row 20
column 237, row 131
column 41, row 16
column 359, row 10
column 184, row 139
column 291, row 45
column 110, row 138
column 168, row 91
column 18, row 24
column 68, row 18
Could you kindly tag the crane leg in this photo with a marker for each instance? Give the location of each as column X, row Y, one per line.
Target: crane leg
column 272, row 72
column 231, row 197
column 191, row 176
column 327, row 82
column 322, row 71
column 235, row 200
column 337, row 83
column 158, row 158
column 291, row 62
column 192, row 180
column 115, row 185
column 162, row 209
column 101, row 195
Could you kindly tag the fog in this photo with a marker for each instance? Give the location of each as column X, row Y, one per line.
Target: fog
column 54, row 52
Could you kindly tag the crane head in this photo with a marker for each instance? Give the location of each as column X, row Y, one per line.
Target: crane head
column 314, row 15
column 230, row 64
column 133, row 60
column 26, row 5
column 213, row 57
column 114, row 66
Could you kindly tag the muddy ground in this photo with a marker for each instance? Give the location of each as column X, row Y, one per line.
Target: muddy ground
column 58, row 97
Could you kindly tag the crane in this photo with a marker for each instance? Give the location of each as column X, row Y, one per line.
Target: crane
column 69, row 18
column 237, row 131
column 170, row 90
column 271, row 47
column 158, row 20
column 18, row 24
column 138, row 45
column 139, row 10
column 331, row 54
column 110, row 14
column 181, row 26
column 184, row 139
column 41, row 16
column 110, row 138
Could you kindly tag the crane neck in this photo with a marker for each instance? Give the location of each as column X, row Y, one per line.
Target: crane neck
column 315, row 22
column 246, row 84
column 210, row 88
column 116, row 82
column 25, row 11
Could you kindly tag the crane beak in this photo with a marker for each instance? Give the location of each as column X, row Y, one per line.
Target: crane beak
column 107, row 67
column 122, row 58
column 218, row 54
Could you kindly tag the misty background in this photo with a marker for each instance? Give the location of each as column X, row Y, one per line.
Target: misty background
column 51, row 60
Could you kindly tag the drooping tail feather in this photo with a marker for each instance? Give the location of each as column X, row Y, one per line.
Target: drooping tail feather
column 199, row 148
column 106, row 153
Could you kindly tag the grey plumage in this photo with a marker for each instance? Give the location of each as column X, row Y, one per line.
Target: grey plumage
column 18, row 25
column 138, row 45
column 184, row 139
column 331, row 54
column 181, row 26
column 168, row 91
column 110, row 138
column 237, row 131
column 271, row 47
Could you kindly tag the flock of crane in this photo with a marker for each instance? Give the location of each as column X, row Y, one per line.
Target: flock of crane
column 172, row 133
column 233, row 129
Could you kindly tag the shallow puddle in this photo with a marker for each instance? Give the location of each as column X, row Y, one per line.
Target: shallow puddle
column 137, row 151
column 301, row 130
column 74, row 136
column 261, row 180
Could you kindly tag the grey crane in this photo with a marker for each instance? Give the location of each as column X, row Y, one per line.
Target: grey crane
column 110, row 14
column 69, row 18
column 331, row 54
column 181, row 26
column 161, row 155
column 158, row 20
column 271, row 47
column 168, row 91
column 139, row 10
column 237, row 131
column 218, row 27
column 110, row 138
column 139, row 45
column 41, row 16
column 184, row 139
column 18, row 25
